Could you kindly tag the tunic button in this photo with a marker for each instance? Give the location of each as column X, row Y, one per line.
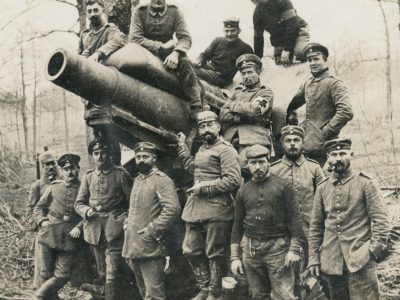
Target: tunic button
column 338, row 225
column 339, row 233
column 338, row 211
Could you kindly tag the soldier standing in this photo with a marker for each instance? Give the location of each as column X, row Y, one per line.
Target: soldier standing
column 247, row 116
column 153, row 26
column 267, row 228
column 49, row 165
column 289, row 33
column 208, row 212
column 349, row 228
column 328, row 107
column 60, row 227
column 102, row 38
column 216, row 64
column 154, row 207
column 103, row 202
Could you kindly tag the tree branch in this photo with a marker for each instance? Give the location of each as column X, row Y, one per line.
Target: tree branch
column 39, row 36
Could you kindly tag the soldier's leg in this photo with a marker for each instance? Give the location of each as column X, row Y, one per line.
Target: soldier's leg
column 48, row 258
column 190, row 83
column 193, row 249
column 151, row 272
column 210, row 76
column 302, row 40
column 37, row 275
column 216, row 250
column 363, row 285
column 134, row 265
column 277, row 55
column 337, row 286
column 114, row 266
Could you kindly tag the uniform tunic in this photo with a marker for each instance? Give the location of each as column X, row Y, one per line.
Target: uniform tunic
column 243, row 119
column 349, row 220
column 36, row 192
column 153, row 205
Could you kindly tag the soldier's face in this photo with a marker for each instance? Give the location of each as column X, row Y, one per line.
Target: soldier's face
column 209, row 131
column 258, row 167
column 231, row 34
column 94, row 13
column 50, row 168
column 340, row 160
column 145, row 161
column 70, row 173
column 250, row 76
column 158, row 5
column 317, row 63
column 292, row 145
column 101, row 158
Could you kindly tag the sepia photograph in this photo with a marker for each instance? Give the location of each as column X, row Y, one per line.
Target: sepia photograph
column 200, row 149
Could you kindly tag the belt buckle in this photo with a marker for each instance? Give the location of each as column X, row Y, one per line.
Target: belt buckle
column 66, row 218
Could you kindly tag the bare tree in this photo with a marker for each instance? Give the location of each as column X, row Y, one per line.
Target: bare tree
column 65, row 120
column 23, row 104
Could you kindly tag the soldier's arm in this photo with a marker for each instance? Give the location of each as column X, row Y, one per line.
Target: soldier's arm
column 379, row 216
column 126, row 182
column 237, row 229
column 115, row 40
column 317, row 228
column 185, row 157
column 81, row 204
column 319, row 175
column 33, row 198
column 208, row 53
column 260, row 105
column 297, row 101
column 344, row 112
column 182, row 33
column 227, row 117
column 137, row 33
column 293, row 218
column 291, row 23
column 170, row 208
column 42, row 207
column 258, row 34
column 80, row 46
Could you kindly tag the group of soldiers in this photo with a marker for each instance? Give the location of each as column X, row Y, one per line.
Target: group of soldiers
column 276, row 222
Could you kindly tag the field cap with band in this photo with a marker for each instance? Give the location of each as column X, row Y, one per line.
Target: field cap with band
column 338, row 144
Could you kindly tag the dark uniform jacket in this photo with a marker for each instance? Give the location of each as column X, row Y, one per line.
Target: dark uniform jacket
column 349, row 220
column 57, row 206
column 36, row 192
column 108, row 40
column 303, row 174
column 267, row 210
column 107, row 193
column 154, row 205
column 221, row 56
column 242, row 118
column 282, row 23
column 150, row 29
column 328, row 109
column 217, row 168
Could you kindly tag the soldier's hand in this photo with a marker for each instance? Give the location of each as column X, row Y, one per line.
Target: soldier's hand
column 314, row 270
column 172, row 60
column 285, row 58
column 263, row 104
column 125, row 227
column 91, row 214
column 75, row 233
column 167, row 260
column 97, row 56
column 143, row 231
column 44, row 224
column 182, row 138
column 291, row 259
column 171, row 44
column 195, row 189
column 237, row 267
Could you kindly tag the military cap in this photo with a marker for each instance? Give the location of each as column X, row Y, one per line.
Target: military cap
column 206, row 116
column 47, row 156
column 68, row 160
column 256, row 151
column 315, row 48
column 91, row 2
column 231, row 23
column 248, row 60
column 291, row 129
column 144, row 147
column 338, row 144
column 98, row 143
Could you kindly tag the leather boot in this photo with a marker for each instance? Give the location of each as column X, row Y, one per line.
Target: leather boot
column 49, row 289
column 200, row 268
column 111, row 291
column 93, row 288
column 216, row 274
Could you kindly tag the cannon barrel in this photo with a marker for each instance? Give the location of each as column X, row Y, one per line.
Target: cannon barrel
column 104, row 85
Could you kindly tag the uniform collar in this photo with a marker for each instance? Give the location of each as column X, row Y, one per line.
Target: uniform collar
column 144, row 176
column 254, row 88
column 262, row 180
column 322, row 75
column 219, row 140
column 349, row 174
column 73, row 183
column 105, row 172
column 91, row 30
column 155, row 13
column 290, row 162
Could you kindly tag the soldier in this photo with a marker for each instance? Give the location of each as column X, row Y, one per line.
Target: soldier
column 60, row 227
column 216, row 64
column 303, row 174
column 102, row 38
column 288, row 32
column 328, row 107
column 208, row 212
column 267, row 228
column 247, row 116
column 153, row 26
column 349, row 228
column 102, row 202
column 48, row 162
column 153, row 209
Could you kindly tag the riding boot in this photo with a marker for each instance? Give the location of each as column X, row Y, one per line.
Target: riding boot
column 216, row 274
column 200, row 267
column 49, row 289
column 111, row 291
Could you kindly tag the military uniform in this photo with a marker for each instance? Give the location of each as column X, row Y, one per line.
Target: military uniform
column 287, row 30
column 208, row 215
column 150, row 29
column 106, row 41
column 153, row 205
column 106, row 192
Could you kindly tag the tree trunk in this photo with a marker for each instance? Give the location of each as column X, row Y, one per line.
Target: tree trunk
column 65, row 120
column 23, row 105
column 34, row 108
column 17, row 125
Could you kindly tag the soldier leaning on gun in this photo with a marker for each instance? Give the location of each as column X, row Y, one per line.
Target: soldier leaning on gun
column 60, row 227
column 49, row 165
column 103, row 202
